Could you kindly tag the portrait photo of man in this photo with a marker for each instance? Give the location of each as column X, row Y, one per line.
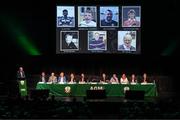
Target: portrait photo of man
column 97, row 40
column 65, row 16
column 131, row 16
column 69, row 40
column 109, row 16
column 126, row 40
column 87, row 16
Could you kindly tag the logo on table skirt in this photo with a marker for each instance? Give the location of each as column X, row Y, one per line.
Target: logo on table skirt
column 67, row 89
column 96, row 88
column 126, row 88
column 22, row 82
column 23, row 90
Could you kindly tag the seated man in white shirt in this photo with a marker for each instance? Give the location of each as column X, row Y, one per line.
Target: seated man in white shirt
column 124, row 79
column 88, row 20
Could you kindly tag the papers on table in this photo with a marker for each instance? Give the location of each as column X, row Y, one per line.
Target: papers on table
column 71, row 82
column 82, row 82
column 114, row 83
column 61, row 83
column 124, row 83
column 93, row 82
column 147, row 83
column 103, row 83
column 41, row 82
column 133, row 83
column 49, row 83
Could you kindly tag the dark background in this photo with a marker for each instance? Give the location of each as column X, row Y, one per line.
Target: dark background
column 37, row 20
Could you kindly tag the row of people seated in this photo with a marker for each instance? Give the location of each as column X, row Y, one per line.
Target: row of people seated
column 82, row 79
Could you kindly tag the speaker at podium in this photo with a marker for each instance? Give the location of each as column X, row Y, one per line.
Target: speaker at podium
column 96, row 94
column 134, row 94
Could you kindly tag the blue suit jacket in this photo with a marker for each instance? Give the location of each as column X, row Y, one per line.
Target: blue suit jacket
column 64, row 79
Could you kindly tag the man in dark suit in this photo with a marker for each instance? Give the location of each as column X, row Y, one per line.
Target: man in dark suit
column 21, row 74
column 21, row 82
column 43, row 77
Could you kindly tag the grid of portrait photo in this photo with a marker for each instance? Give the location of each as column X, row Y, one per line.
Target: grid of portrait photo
column 86, row 29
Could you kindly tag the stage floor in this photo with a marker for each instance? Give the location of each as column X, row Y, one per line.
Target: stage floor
column 108, row 99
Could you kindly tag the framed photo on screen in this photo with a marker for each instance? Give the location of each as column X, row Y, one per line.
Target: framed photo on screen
column 97, row 40
column 87, row 16
column 69, row 40
column 65, row 16
column 109, row 16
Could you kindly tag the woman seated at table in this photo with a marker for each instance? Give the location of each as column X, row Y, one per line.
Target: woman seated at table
column 72, row 78
column 144, row 81
column 124, row 79
column 82, row 79
column 104, row 78
column 114, row 79
column 133, row 79
column 52, row 78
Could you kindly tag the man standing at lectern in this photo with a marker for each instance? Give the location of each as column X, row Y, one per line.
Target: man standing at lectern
column 21, row 82
column 21, row 74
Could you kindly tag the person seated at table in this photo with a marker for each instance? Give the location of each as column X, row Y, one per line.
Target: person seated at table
column 72, row 78
column 62, row 78
column 124, row 79
column 144, row 80
column 104, row 78
column 52, row 78
column 82, row 79
column 114, row 79
column 43, row 77
column 133, row 79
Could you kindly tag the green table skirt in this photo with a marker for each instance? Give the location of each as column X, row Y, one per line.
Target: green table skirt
column 111, row 89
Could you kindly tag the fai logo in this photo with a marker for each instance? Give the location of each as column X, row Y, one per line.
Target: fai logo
column 125, row 89
column 67, row 89
column 22, row 82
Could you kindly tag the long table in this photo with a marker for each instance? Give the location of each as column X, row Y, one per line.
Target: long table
column 111, row 89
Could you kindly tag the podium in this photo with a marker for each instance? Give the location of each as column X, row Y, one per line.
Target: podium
column 22, row 87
